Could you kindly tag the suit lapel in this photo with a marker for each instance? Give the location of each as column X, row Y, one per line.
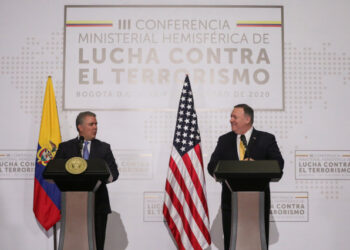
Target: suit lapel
column 234, row 146
column 252, row 142
column 76, row 148
column 92, row 149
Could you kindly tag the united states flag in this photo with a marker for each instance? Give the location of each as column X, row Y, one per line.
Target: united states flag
column 185, row 205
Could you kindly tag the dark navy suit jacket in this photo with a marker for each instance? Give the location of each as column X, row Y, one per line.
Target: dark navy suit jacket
column 262, row 146
column 99, row 150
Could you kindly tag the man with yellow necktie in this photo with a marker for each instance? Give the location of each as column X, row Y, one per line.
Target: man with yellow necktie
column 244, row 142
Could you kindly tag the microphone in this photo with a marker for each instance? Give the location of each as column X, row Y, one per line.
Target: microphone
column 244, row 141
column 81, row 143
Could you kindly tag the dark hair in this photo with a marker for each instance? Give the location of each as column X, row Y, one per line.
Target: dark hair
column 247, row 111
column 81, row 117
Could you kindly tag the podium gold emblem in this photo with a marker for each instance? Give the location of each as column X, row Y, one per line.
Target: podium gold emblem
column 76, row 165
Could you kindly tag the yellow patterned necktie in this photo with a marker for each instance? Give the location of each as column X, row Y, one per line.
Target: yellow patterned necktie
column 241, row 150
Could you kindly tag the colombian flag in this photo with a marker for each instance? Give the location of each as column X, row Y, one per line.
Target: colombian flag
column 47, row 196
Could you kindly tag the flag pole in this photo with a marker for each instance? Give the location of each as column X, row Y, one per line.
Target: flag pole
column 54, row 237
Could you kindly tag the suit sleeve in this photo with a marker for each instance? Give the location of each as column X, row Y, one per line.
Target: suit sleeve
column 215, row 157
column 274, row 153
column 60, row 152
column 112, row 165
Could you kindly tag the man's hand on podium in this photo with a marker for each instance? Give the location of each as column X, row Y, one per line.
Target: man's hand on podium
column 248, row 159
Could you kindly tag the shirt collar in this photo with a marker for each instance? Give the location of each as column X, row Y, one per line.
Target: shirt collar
column 84, row 140
column 247, row 134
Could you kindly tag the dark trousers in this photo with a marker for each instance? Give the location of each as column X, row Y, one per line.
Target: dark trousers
column 226, row 224
column 100, row 230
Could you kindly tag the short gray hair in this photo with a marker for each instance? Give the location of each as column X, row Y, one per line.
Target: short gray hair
column 81, row 116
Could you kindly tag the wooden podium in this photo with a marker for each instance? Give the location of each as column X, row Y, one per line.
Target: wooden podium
column 246, row 181
column 77, row 201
